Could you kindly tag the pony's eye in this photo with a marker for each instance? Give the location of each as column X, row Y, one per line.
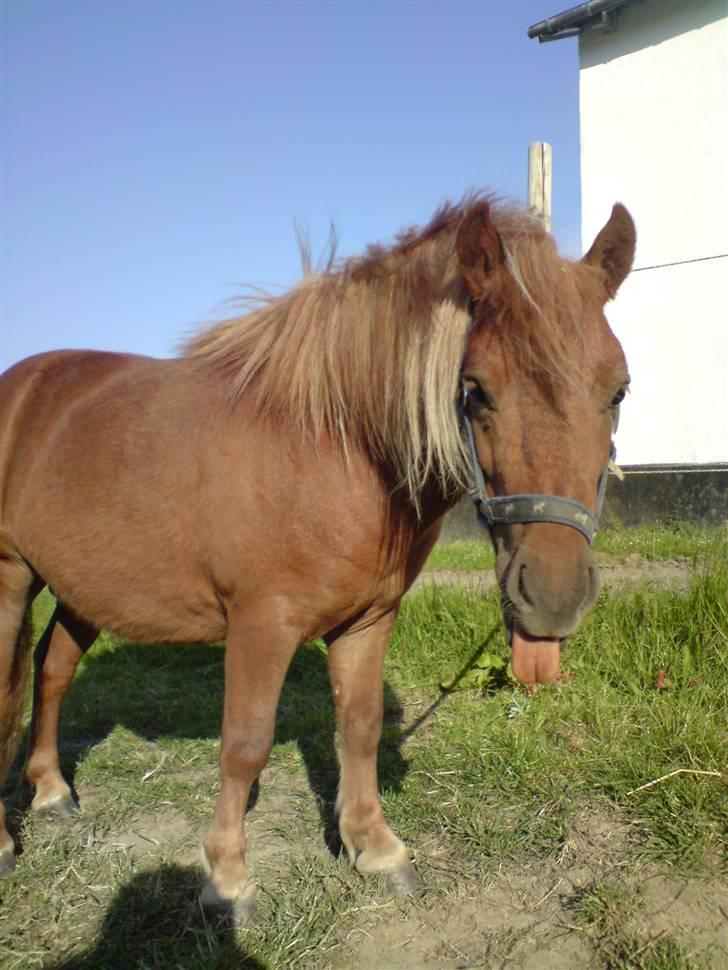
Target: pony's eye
column 477, row 396
column 618, row 397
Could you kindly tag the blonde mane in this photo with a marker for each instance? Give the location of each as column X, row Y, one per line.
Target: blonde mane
column 369, row 351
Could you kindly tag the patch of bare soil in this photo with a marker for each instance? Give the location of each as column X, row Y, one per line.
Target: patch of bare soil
column 526, row 917
column 147, row 833
column 278, row 807
column 284, row 800
column 614, row 574
column 683, row 908
column 660, row 573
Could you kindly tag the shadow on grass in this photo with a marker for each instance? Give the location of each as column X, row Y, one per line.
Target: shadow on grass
column 155, row 921
column 164, row 691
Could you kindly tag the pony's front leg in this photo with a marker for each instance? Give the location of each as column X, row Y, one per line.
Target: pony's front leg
column 256, row 660
column 356, row 666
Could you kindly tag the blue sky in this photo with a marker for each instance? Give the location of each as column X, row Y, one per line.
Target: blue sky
column 156, row 154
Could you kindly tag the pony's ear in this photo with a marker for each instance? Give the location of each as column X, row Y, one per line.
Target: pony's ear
column 612, row 251
column 479, row 248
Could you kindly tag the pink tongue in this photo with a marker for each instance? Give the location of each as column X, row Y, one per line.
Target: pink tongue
column 534, row 661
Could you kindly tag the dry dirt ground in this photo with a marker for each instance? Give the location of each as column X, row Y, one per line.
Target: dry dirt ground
column 663, row 574
column 520, row 917
column 524, row 918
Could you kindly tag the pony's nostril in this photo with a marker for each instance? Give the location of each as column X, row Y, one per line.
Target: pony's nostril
column 522, row 586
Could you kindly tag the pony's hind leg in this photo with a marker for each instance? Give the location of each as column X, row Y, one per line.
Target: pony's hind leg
column 60, row 648
column 18, row 585
column 356, row 666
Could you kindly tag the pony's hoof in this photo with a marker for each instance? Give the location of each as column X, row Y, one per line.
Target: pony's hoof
column 62, row 809
column 7, row 862
column 236, row 912
column 405, row 881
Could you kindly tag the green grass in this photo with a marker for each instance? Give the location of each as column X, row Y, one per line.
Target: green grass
column 462, row 554
column 679, row 540
column 608, row 732
column 473, row 780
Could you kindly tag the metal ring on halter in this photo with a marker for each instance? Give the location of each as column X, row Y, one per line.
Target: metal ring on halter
column 509, row 509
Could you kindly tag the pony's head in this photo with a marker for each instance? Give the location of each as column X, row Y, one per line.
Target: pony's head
column 543, row 376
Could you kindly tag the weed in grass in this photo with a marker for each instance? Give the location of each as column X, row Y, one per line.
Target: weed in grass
column 662, row 955
column 607, row 904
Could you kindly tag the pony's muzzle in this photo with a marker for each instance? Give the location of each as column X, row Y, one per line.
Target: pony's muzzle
column 551, row 583
column 546, row 604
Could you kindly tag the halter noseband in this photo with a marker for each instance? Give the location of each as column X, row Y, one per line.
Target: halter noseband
column 509, row 509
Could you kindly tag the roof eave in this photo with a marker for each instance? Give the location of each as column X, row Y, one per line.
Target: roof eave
column 569, row 23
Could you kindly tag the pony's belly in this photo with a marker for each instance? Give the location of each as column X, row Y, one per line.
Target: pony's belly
column 145, row 614
column 132, row 588
column 172, row 629
column 169, row 623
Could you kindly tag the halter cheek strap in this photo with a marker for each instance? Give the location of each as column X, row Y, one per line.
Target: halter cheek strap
column 509, row 509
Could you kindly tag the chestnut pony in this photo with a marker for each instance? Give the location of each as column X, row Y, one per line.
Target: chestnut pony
column 286, row 478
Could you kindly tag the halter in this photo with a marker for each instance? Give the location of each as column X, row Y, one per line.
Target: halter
column 508, row 509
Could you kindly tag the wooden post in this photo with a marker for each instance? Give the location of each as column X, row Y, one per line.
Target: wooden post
column 539, row 181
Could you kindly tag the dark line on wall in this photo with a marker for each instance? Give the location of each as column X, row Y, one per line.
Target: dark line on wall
column 680, row 262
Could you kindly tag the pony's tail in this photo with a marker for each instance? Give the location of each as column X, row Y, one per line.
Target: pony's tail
column 11, row 718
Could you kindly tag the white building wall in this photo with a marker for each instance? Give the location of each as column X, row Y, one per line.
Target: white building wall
column 654, row 135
